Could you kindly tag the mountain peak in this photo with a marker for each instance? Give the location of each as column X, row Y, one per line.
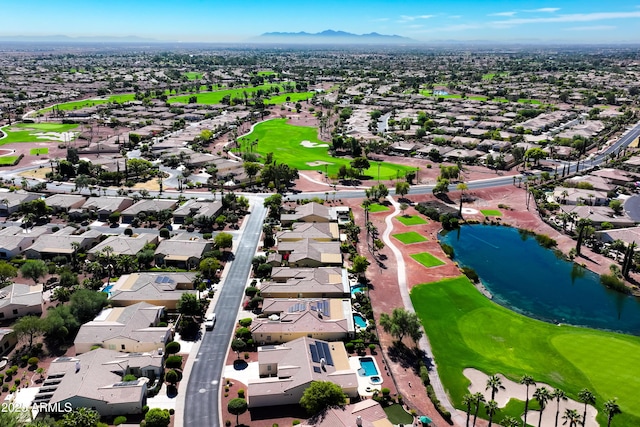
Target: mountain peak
column 330, row 36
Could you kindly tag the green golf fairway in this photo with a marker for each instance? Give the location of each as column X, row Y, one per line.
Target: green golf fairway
column 285, row 142
column 216, row 96
column 293, row 97
column 468, row 330
column 491, row 212
column 28, row 132
column 411, row 220
column 428, row 260
column 76, row 105
column 410, row 237
column 192, row 75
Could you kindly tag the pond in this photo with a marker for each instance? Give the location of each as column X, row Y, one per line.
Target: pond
column 531, row 280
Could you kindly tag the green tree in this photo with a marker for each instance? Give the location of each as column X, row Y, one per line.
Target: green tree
column 237, row 407
column 80, row 417
column 542, row 396
column 558, row 395
column 491, row 407
column 360, row 163
column 251, row 169
column 86, row 304
column 208, row 267
column 189, row 305
column 584, row 229
column 588, row 398
column 402, row 188
column 572, row 417
column 223, row 240
column 34, row 269
column 535, row 153
column 29, row 327
column 467, row 401
column 157, row 417
column 462, row 187
column 441, row 187
column 611, row 408
column 321, row 395
column 617, row 206
column 527, row 381
column 478, row 400
column 7, row 273
column 494, row 383
column 359, row 264
column 402, row 323
column 509, row 421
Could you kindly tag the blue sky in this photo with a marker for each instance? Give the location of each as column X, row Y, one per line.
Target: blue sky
column 232, row 20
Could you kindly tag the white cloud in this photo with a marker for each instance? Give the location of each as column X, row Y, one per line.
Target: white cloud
column 406, row 18
column 576, row 17
column 503, row 14
column 593, row 28
column 544, row 10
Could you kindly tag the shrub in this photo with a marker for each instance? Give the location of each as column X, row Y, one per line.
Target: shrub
column 385, row 392
column 227, row 423
column 173, row 347
column 164, row 233
column 448, row 250
column 471, row 274
column 612, row 282
column 545, row 241
column 33, row 361
column 172, row 411
column 243, row 333
column 246, row 356
column 349, row 347
column 174, row 362
column 251, row 291
column 145, row 409
column 295, row 422
column 171, row 377
column 241, row 393
column 119, row 420
column 424, row 375
column 128, row 232
column 129, row 377
column 206, row 236
column 245, row 322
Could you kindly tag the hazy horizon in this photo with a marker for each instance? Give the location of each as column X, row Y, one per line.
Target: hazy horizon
column 561, row 21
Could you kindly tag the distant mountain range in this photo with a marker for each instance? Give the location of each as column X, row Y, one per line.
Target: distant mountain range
column 331, row 37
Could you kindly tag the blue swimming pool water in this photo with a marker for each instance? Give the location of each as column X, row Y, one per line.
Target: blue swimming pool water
column 356, row 289
column 367, row 367
column 360, row 321
column 529, row 279
column 107, row 289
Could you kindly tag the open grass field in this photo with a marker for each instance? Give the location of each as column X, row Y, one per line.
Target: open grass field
column 8, row 160
column 76, row 105
column 411, row 220
column 490, row 76
column 377, row 207
column 37, row 132
column 266, row 73
column 491, row 212
column 285, row 142
column 215, row 97
column 38, row 151
column 293, row 97
column 192, row 75
column 410, row 237
column 467, row 330
column 397, row 415
column 426, row 259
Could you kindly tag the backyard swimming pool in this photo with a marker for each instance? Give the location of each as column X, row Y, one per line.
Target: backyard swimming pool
column 361, row 322
column 368, row 367
column 356, row 289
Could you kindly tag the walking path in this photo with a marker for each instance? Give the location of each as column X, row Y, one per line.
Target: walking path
column 423, row 344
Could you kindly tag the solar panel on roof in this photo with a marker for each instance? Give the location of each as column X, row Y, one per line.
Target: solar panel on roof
column 314, row 353
column 159, row 279
column 327, row 353
column 320, row 351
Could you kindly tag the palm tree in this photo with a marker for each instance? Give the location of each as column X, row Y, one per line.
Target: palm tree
column 571, row 416
column 462, row 187
column 587, row 398
column 509, row 421
column 494, row 383
column 527, row 380
column 558, row 395
column 542, row 395
column 467, row 401
column 611, row 408
column 478, row 398
column 491, row 408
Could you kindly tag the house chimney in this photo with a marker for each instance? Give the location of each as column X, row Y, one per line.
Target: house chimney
column 359, row 421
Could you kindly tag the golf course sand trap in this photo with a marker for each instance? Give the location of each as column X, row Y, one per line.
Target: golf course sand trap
column 318, row 163
column 6, row 152
column 56, row 136
column 469, row 211
column 309, row 144
column 518, row 391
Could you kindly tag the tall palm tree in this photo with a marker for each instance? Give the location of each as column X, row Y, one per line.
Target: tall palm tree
column 478, row 399
column 611, row 408
column 494, row 383
column 509, row 421
column 491, row 408
column 467, row 401
column 462, row 187
column 542, row 395
column 558, row 395
column 527, row 380
column 587, row 398
column 572, row 417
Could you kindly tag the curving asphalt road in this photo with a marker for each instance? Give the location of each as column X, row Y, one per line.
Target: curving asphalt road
column 203, row 392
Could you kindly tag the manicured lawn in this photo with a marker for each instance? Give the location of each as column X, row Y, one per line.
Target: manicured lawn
column 191, row 75
column 377, row 207
column 410, row 237
column 491, row 212
column 428, row 260
column 216, row 96
column 293, row 97
column 38, row 151
column 397, row 415
column 35, row 132
column 76, row 105
column 266, row 73
column 468, row 330
column 285, row 142
column 8, row 160
column 411, row 219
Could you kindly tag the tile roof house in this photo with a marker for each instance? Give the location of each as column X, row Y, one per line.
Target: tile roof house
column 123, row 245
column 127, row 329
column 309, row 212
column 14, row 239
column 311, row 253
column 8, row 340
column 105, row 206
column 163, row 289
column 19, row 300
column 93, row 380
column 181, row 253
column 65, row 202
column 195, row 209
column 576, row 196
column 289, row 319
column 61, row 243
column 321, row 232
column 286, row 370
column 366, row 413
column 329, row 282
column 147, row 206
column 10, row 202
